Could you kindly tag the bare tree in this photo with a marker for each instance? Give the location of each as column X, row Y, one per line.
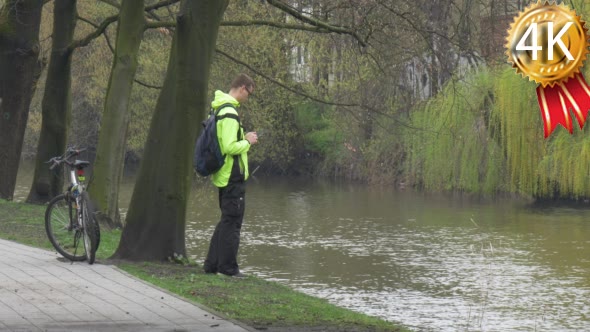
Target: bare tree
column 56, row 105
column 108, row 167
column 19, row 51
column 155, row 225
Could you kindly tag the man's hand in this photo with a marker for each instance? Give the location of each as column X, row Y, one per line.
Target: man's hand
column 251, row 137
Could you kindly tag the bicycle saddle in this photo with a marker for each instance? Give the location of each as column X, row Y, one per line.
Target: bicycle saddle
column 81, row 164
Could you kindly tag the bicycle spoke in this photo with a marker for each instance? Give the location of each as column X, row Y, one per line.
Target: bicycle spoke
column 60, row 231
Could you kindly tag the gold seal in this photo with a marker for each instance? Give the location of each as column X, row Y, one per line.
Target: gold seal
column 548, row 43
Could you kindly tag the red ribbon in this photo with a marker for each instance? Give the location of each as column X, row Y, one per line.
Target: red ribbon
column 555, row 103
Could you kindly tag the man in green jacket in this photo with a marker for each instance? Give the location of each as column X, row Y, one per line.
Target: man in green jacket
column 231, row 178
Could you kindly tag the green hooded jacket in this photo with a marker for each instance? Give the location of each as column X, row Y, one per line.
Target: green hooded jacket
column 227, row 134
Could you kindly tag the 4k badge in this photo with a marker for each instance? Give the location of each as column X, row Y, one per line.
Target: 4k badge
column 548, row 43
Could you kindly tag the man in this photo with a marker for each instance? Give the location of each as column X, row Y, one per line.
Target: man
column 230, row 179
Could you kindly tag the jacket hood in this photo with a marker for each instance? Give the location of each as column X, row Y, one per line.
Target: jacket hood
column 223, row 98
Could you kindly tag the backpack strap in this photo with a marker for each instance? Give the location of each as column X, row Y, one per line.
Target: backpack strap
column 236, row 173
column 230, row 115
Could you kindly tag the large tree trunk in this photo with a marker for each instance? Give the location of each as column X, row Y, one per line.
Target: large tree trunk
column 19, row 51
column 108, row 167
column 56, row 104
column 155, row 225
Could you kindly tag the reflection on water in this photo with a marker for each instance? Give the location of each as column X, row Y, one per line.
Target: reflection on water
column 431, row 262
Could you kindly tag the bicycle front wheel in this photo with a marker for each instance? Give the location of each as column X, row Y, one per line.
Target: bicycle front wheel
column 62, row 230
column 91, row 233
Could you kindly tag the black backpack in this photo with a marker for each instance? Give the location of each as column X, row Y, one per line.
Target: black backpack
column 208, row 158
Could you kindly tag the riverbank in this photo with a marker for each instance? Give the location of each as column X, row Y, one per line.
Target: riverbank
column 255, row 302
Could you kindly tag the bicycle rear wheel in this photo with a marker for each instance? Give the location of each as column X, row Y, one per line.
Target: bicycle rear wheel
column 62, row 230
column 91, row 233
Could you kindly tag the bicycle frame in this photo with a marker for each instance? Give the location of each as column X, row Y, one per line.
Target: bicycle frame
column 75, row 191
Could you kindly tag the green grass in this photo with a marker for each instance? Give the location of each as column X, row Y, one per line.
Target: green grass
column 25, row 223
column 253, row 301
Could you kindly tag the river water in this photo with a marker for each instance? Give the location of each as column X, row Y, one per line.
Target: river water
column 431, row 262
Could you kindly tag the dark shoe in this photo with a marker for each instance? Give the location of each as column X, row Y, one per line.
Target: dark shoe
column 209, row 271
column 239, row 275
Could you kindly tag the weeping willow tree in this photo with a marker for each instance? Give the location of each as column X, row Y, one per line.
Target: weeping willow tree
column 564, row 170
column 453, row 150
column 485, row 135
column 519, row 130
column 558, row 167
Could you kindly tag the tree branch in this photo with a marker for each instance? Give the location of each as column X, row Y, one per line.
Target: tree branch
column 113, row 52
column 318, row 100
column 110, row 45
column 111, row 3
column 106, row 37
column 317, row 23
column 150, row 9
column 284, row 86
column 317, row 26
column 94, row 34
column 89, row 22
column 109, row 20
column 424, row 33
column 160, row 4
column 276, row 25
column 146, row 84
column 159, row 24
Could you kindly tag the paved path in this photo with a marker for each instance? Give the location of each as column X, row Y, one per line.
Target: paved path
column 38, row 292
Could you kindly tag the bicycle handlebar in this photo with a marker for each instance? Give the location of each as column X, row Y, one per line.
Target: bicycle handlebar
column 53, row 162
column 70, row 152
column 75, row 152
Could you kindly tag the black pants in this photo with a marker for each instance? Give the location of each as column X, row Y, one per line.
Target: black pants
column 223, row 249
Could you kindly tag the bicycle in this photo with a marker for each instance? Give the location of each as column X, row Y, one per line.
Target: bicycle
column 70, row 216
